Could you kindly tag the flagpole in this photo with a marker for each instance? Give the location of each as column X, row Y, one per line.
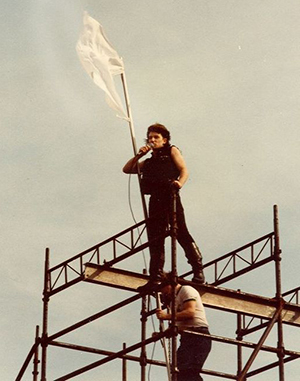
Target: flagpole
column 133, row 139
column 100, row 60
column 129, row 114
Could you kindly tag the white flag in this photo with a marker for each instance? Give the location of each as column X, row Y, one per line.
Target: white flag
column 100, row 61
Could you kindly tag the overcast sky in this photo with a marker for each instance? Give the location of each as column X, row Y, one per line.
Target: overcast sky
column 223, row 76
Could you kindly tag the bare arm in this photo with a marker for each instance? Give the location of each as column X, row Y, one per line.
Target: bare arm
column 181, row 166
column 188, row 312
column 131, row 165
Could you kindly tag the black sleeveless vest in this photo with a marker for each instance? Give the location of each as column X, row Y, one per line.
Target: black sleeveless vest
column 159, row 172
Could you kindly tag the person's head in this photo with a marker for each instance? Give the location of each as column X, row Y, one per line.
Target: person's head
column 166, row 283
column 158, row 136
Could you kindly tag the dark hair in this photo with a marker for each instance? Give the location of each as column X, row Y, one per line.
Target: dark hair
column 167, row 279
column 160, row 129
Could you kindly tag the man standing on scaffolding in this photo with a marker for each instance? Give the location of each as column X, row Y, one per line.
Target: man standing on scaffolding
column 164, row 171
column 190, row 319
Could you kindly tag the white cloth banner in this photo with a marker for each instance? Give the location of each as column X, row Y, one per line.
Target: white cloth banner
column 100, row 61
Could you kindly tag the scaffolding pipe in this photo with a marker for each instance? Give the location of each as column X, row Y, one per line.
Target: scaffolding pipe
column 219, row 339
column 36, row 355
column 162, row 329
column 94, row 317
column 243, row 374
column 143, row 335
column 271, row 366
column 239, row 347
column 110, row 358
column 44, row 340
column 27, row 361
column 277, row 258
column 284, row 356
column 124, row 365
column 104, row 352
column 174, row 228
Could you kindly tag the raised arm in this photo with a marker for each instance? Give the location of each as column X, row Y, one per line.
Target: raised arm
column 131, row 165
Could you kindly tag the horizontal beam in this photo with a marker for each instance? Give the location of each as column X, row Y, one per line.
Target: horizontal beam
column 213, row 297
column 114, row 356
column 105, row 353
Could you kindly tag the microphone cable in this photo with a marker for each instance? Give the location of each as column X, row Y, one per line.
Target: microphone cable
column 133, row 216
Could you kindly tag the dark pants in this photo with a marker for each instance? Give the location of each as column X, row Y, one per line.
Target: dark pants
column 191, row 355
column 160, row 213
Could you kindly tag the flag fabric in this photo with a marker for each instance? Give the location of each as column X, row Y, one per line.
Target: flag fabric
column 100, row 61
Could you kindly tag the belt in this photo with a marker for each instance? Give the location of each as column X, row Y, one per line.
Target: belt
column 198, row 329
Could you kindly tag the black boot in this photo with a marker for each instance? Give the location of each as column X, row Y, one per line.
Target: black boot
column 156, row 271
column 194, row 257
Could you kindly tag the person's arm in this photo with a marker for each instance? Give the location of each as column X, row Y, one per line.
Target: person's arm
column 131, row 165
column 181, row 166
column 188, row 312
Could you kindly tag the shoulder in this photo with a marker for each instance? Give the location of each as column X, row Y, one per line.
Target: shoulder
column 175, row 152
column 167, row 151
column 189, row 293
column 174, row 148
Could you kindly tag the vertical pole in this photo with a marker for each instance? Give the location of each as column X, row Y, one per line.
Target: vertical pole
column 36, row 355
column 44, row 340
column 124, row 366
column 239, row 347
column 133, row 139
column 143, row 335
column 277, row 253
column 162, row 329
column 277, row 256
column 174, row 282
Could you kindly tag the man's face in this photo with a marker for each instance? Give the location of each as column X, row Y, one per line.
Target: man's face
column 156, row 140
column 166, row 294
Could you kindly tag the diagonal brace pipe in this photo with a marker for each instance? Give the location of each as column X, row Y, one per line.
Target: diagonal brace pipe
column 242, row 375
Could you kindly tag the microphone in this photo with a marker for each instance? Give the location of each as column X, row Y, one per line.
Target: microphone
column 142, row 153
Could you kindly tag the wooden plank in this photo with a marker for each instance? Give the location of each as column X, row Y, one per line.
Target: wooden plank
column 114, row 277
column 214, row 297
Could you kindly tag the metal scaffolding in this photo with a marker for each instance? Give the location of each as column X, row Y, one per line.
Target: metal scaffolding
column 253, row 313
